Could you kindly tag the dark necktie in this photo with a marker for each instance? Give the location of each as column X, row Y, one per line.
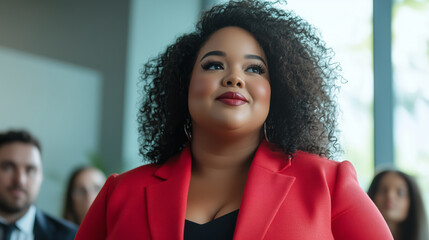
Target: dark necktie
column 7, row 230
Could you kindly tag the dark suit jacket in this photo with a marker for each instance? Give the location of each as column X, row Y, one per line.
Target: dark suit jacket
column 50, row 228
column 306, row 198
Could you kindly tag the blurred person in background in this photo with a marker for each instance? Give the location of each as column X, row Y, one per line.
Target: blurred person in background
column 399, row 200
column 82, row 188
column 21, row 176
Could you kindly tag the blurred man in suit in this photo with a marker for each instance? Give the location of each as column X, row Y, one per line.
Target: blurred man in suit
column 21, row 176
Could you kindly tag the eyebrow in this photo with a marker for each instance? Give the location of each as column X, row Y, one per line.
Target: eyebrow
column 214, row 53
column 250, row 56
column 12, row 162
column 223, row 54
column 6, row 162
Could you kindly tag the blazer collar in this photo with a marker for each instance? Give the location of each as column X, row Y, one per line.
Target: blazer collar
column 41, row 228
column 266, row 189
column 166, row 201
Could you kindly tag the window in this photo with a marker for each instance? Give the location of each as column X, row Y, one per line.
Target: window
column 410, row 56
column 346, row 27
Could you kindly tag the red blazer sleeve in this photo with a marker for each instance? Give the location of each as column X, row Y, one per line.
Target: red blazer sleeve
column 94, row 225
column 354, row 215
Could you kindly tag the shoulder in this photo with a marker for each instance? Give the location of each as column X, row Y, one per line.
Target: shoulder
column 314, row 159
column 131, row 181
column 315, row 162
column 152, row 173
column 315, row 168
column 53, row 226
column 142, row 173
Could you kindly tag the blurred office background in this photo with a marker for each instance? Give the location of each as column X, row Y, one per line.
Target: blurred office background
column 69, row 74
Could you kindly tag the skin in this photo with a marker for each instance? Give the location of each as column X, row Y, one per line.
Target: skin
column 225, row 137
column 393, row 201
column 85, row 188
column 20, row 179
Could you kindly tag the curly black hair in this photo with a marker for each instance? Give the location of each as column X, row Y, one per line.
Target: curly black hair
column 304, row 82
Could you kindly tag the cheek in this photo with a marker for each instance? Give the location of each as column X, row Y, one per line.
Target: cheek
column 201, row 86
column 262, row 93
column 378, row 200
column 4, row 178
column 201, row 93
column 36, row 183
column 78, row 202
column 405, row 205
column 78, row 206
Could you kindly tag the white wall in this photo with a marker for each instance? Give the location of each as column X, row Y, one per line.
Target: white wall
column 61, row 77
column 60, row 104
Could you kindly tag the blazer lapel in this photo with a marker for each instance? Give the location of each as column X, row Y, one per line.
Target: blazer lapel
column 41, row 227
column 166, row 201
column 266, row 189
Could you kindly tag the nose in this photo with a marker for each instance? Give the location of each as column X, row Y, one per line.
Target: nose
column 20, row 177
column 91, row 197
column 391, row 195
column 233, row 80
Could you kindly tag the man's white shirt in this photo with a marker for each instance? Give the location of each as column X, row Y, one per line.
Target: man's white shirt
column 25, row 226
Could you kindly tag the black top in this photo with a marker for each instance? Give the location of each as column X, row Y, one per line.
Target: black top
column 220, row 228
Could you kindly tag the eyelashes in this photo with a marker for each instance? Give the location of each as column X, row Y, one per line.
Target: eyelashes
column 209, row 65
column 257, row 68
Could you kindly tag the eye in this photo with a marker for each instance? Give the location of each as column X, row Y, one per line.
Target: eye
column 6, row 166
column 212, row 66
column 31, row 171
column 258, row 69
column 79, row 192
column 402, row 192
column 383, row 191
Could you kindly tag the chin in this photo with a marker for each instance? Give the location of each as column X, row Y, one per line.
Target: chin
column 15, row 208
column 236, row 122
column 394, row 218
column 229, row 125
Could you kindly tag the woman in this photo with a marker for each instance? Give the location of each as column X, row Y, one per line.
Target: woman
column 398, row 198
column 237, row 121
column 82, row 188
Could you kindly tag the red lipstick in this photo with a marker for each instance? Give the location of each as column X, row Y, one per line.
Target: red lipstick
column 232, row 98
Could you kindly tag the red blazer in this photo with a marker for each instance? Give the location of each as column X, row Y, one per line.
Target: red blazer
column 309, row 197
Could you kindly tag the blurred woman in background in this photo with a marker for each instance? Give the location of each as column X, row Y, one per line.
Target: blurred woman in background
column 82, row 188
column 399, row 200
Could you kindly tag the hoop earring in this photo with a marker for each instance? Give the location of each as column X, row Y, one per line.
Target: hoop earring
column 187, row 127
column 265, row 132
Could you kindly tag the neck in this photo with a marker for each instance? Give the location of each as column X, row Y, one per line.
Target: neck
column 227, row 153
column 13, row 217
column 395, row 230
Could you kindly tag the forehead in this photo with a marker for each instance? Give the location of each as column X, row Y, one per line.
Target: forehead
column 90, row 174
column 232, row 40
column 393, row 179
column 20, row 154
